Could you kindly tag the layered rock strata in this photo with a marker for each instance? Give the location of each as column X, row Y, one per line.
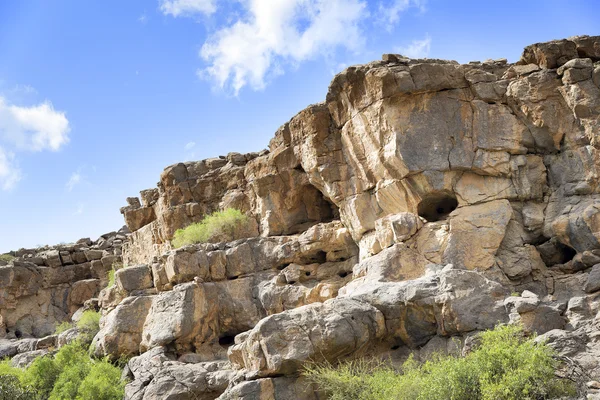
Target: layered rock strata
column 42, row 287
column 422, row 202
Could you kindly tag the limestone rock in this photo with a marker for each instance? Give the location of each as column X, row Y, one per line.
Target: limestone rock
column 280, row 343
column 271, row 388
column 476, row 233
column 185, row 317
column 593, row 280
column 134, row 278
column 388, row 220
column 121, row 330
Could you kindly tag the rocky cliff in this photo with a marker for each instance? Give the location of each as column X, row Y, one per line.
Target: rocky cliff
column 422, row 202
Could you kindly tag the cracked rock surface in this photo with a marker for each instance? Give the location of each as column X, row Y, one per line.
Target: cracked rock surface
column 422, row 202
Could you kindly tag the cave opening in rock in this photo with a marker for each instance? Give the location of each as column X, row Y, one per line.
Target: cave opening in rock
column 554, row 252
column 567, row 253
column 282, row 266
column 227, row 340
column 436, row 206
column 319, row 257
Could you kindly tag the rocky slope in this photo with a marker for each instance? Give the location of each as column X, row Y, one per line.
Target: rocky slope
column 422, row 202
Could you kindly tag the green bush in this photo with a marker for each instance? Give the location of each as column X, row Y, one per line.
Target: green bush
column 63, row 326
column 89, row 322
column 111, row 274
column 103, row 382
column 41, row 375
column 111, row 277
column 70, row 374
column 219, row 225
column 12, row 389
column 6, row 369
column 505, row 366
column 6, row 257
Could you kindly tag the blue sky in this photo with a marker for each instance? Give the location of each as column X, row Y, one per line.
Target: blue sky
column 97, row 97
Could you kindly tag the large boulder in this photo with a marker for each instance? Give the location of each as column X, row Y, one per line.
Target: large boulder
column 330, row 331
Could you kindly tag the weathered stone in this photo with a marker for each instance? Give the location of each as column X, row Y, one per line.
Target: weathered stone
column 550, row 54
column 24, row 360
column 272, row 388
column 593, row 280
column 121, row 330
column 82, row 291
column 134, row 278
column 280, row 343
column 186, row 317
column 361, row 239
column 476, row 248
column 183, row 266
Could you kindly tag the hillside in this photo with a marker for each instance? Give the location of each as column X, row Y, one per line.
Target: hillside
column 422, row 202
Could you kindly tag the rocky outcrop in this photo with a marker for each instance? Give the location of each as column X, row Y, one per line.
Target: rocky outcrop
column 42, row 287
column 422, row 202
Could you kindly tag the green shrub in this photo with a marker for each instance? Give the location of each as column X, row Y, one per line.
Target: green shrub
column 111, row 274
column 111, row 277
column 89, row 322
column 505, row 366
column 6, row 257
column 219, row 225
column 103, row 382
column 69, row 380
column 41, row 375
column 12, row 389
column 63, row 326
column 6, row 369
column 70, row 374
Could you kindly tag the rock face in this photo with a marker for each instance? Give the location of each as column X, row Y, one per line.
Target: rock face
column 422, row 202
column 43, row 287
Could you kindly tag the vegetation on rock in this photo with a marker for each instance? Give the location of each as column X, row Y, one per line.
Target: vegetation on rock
column 505, row 365
column 62, row 327
column 89, row 322
column 219, row 225
column 6, row 257
column 69, row 374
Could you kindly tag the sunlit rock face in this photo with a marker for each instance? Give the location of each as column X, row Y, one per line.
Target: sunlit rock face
column 422, row 202
column 42, row 287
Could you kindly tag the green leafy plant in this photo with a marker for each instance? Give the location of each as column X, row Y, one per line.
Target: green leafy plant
column 69, row 374
column 12, row 389
column 103, row 382
column 63, row 326
column 505, row 366
column 111, row 278
column 41, row 375
column 111, row 274
column 89, row 322
column 6, row 257
column 219, row 225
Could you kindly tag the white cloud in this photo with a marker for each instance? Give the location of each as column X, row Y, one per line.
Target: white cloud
column 34, row 128
column 9, row 172
column 275, row 33
column 186, row 8
column 143, row 18
column 79, row 210
column 74, row 180
column 417, row 48
column 390, row 11
column 190, row 145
